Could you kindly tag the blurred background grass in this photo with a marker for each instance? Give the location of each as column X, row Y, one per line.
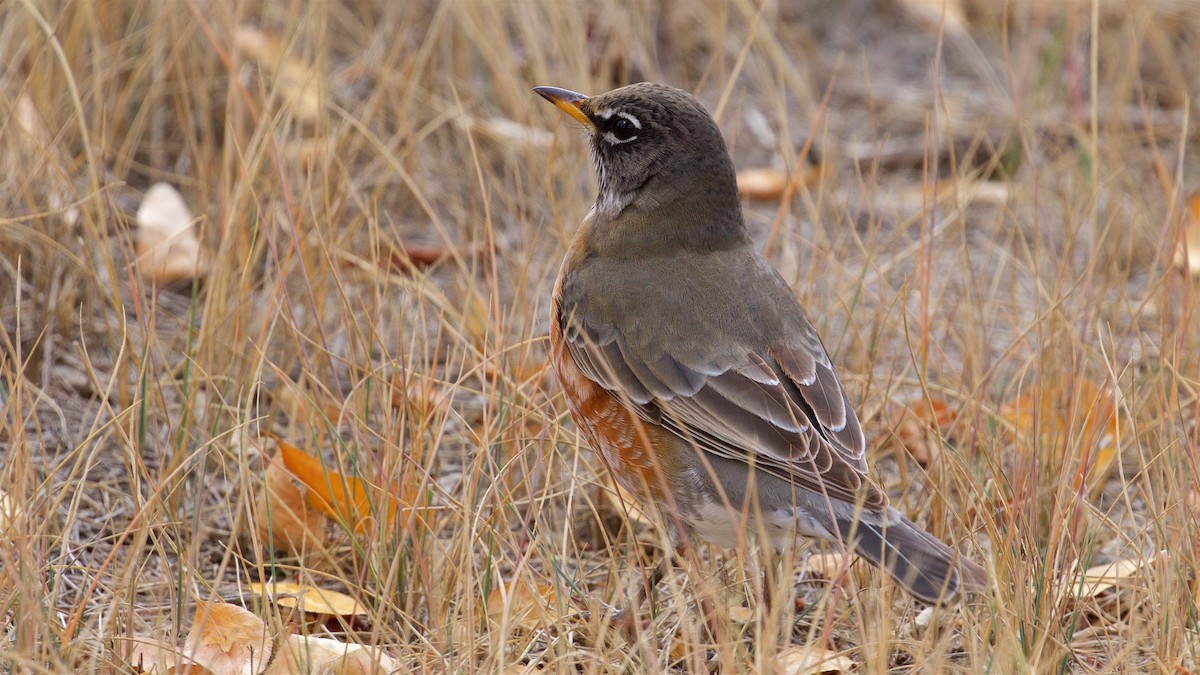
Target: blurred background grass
column 987, row 204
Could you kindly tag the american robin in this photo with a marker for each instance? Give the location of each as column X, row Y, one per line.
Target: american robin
column 691, row 368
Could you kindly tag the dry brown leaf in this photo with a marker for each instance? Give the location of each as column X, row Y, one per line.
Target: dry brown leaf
column 167, row 247
column 934, row 12
column 1102, row 578
column 424, row 398
column 40, row 144
column 301, row 403
column 521, row 372
column 302, row 655
column 523, row 602
column 406, row 257
column 810, row 660
column 153, row 655
column 284, row 518
column 827, row 565
column 919, row 427
column 741, row 614
column 228, row 639
column 1187, row 251
column 301, row 86
column 309, row 599
column 1077, row 418
column 772, row 184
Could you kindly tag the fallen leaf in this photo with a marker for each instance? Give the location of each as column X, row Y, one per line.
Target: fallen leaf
column 920, row 426
column 827, row 565
column 423, row 398
column 284, row 518
column 741, row 614
column 1072, row 427
column 309, row 599
column 152, row 655
column 772, row 184
column 1187, row 251
column 936, row 13
column 40, row 147
column 301, row 403
column 1101, row 578
column 344, row 498
column 302, row 655
column 523, row 602
column 522, row 372
column 301, row 86
column 403, row 257
column 810, row 660
column 166, row 244
column 228, row 639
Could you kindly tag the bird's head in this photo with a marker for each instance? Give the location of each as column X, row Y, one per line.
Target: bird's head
column 652, row 145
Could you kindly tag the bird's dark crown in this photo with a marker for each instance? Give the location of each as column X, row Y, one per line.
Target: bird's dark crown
column 652, row 143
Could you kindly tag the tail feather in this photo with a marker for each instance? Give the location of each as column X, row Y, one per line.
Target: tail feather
column 922, row 564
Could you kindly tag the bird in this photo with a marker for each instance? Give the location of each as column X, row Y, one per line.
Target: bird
column 689, row 366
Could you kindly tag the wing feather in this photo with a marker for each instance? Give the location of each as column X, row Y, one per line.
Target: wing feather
column 781, row 410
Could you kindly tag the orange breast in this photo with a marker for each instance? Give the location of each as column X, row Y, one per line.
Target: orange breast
column 640, row 455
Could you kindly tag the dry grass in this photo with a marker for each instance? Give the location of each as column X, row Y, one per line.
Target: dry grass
column 134, row 414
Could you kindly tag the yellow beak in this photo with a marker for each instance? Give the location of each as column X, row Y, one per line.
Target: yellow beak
column 567, row 101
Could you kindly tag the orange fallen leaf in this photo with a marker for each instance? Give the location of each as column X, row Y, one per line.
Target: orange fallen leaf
column 228, row 639
column 1187, row 251
column 300, row 403
column 919, row 427
column 284, row 518
column 1071, row 427
column 301, row 655
column 309, row 599
column 343, row 498
column 167, row 247
column 523, row 602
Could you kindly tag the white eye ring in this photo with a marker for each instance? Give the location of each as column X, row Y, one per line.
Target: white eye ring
column 613, row 140
column 636, row 123
column 625, row 125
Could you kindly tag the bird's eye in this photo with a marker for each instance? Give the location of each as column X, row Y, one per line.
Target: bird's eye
column 623, row 129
